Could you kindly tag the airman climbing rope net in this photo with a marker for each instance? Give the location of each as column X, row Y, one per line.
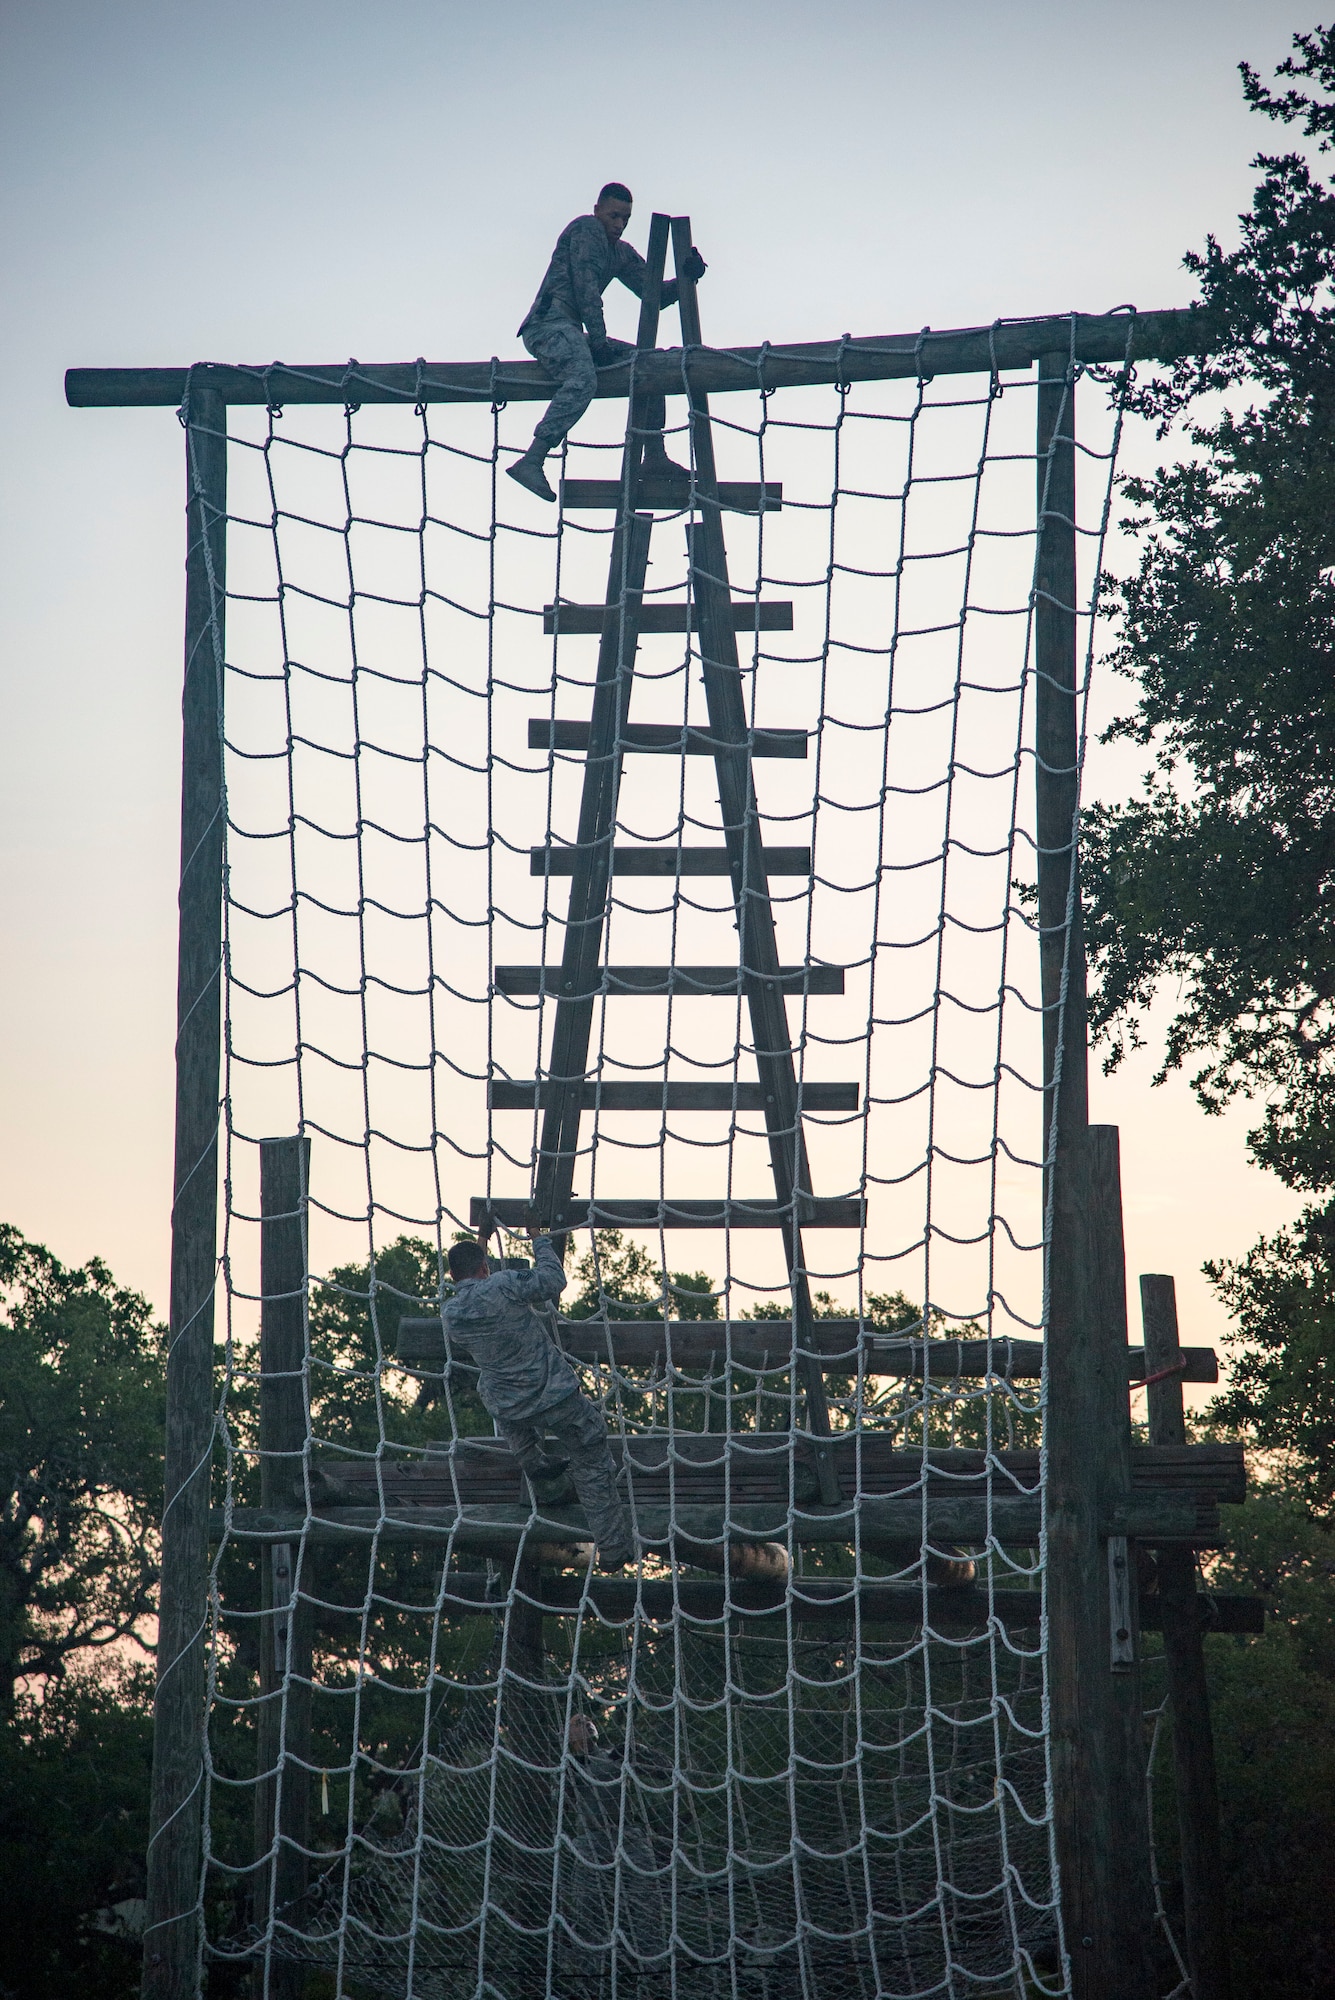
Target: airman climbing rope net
column 806, row 1282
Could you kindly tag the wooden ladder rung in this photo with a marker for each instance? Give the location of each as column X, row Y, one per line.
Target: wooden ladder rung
column 735, row 496
column 530, row 1094
column 705, row 982
column 653, row 619
column 664, row 739
column 711, row 1212
column 666, row 860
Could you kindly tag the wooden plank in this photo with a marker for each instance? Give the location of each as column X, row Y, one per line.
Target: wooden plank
column 709, row 1466
column 736, row 496
column 663, row 739
column 1011, row 1519
column 669, row 861
column 574, row 619
column 684, row 981
column 171, row 1942
column 525, row 1096
column 1107, row 337
column 1204, row 1882
column 646, row 1212
column 283, row 1734
column 708, row 1344
column 829, row 1601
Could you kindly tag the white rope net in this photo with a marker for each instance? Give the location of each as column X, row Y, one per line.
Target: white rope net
column 821, row 1769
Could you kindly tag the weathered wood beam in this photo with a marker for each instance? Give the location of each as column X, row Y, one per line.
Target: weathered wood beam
column 171, row 1936
column 669, row 861
column 814, row 1212
column 659, row 618
column 710, row 1342
column 526, row 1094
column 663, row 739
column 669, row 495
column 683, row 981
column 977, row 350
column 1205, row 1886
column 825, row 1600
column 1151, row 1517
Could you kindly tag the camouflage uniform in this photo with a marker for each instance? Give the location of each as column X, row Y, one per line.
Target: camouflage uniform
column 570, row 298
column 506, row 1321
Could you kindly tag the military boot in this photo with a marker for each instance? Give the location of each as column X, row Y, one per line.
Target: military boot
column 528, row 473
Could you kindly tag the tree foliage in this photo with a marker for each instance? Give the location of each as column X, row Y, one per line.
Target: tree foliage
column 1220, row 875
column 81, row 1427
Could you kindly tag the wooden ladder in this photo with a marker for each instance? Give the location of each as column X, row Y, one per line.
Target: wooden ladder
column 594, row 858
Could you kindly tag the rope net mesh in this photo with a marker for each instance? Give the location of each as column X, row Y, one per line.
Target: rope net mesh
column 820, row 1764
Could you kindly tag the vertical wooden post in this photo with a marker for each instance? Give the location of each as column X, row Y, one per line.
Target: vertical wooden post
column 282, row 1794
column 1203, row 1886
column 1097, row 1801
column 172, row 1941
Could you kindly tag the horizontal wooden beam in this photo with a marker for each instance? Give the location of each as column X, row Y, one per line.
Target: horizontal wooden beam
column 671, row 495
column 1008, row 1519
column 813, row 1212
column 660, row 618
column 531, row 1095
column 670, row 861
column 831, row 1601
column 711, row 1343
column 664, row 739
column 705, row 1468
column 977, row 350
column 685, row 981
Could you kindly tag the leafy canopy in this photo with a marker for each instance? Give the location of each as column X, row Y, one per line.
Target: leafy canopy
column 81, row 1426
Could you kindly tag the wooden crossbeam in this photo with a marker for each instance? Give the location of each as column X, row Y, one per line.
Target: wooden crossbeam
column 673, row 495
column 1157, row 1518
column 674, row 861
column 530, row 1094
column 978, row 350
column 663, row 739
column 647, row 1212
column 753, row 1467
column 825, row 1601
column 661, row 618
column 769, row 1344
column 684, row 981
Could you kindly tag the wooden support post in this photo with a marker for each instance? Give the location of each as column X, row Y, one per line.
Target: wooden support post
column 1098, row 1800
column 1203, row 1885
column 282, row 1794
column 172, row 1934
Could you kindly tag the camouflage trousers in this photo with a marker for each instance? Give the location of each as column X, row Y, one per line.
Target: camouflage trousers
column 578, row 1429
column 563, row 350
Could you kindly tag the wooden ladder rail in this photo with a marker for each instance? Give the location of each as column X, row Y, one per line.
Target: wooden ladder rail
column 757, row 943
column 586, row 912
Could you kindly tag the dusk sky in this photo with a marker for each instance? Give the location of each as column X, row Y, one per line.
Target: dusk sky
column 313, row 181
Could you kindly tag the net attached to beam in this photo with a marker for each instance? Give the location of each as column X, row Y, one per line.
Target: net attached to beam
column 820, row 1769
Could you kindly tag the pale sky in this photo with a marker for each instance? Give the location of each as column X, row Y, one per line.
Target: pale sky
column 313, row 181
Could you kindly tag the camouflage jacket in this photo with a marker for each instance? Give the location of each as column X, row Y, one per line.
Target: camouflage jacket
column 583, row 265
column 506, row 1322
